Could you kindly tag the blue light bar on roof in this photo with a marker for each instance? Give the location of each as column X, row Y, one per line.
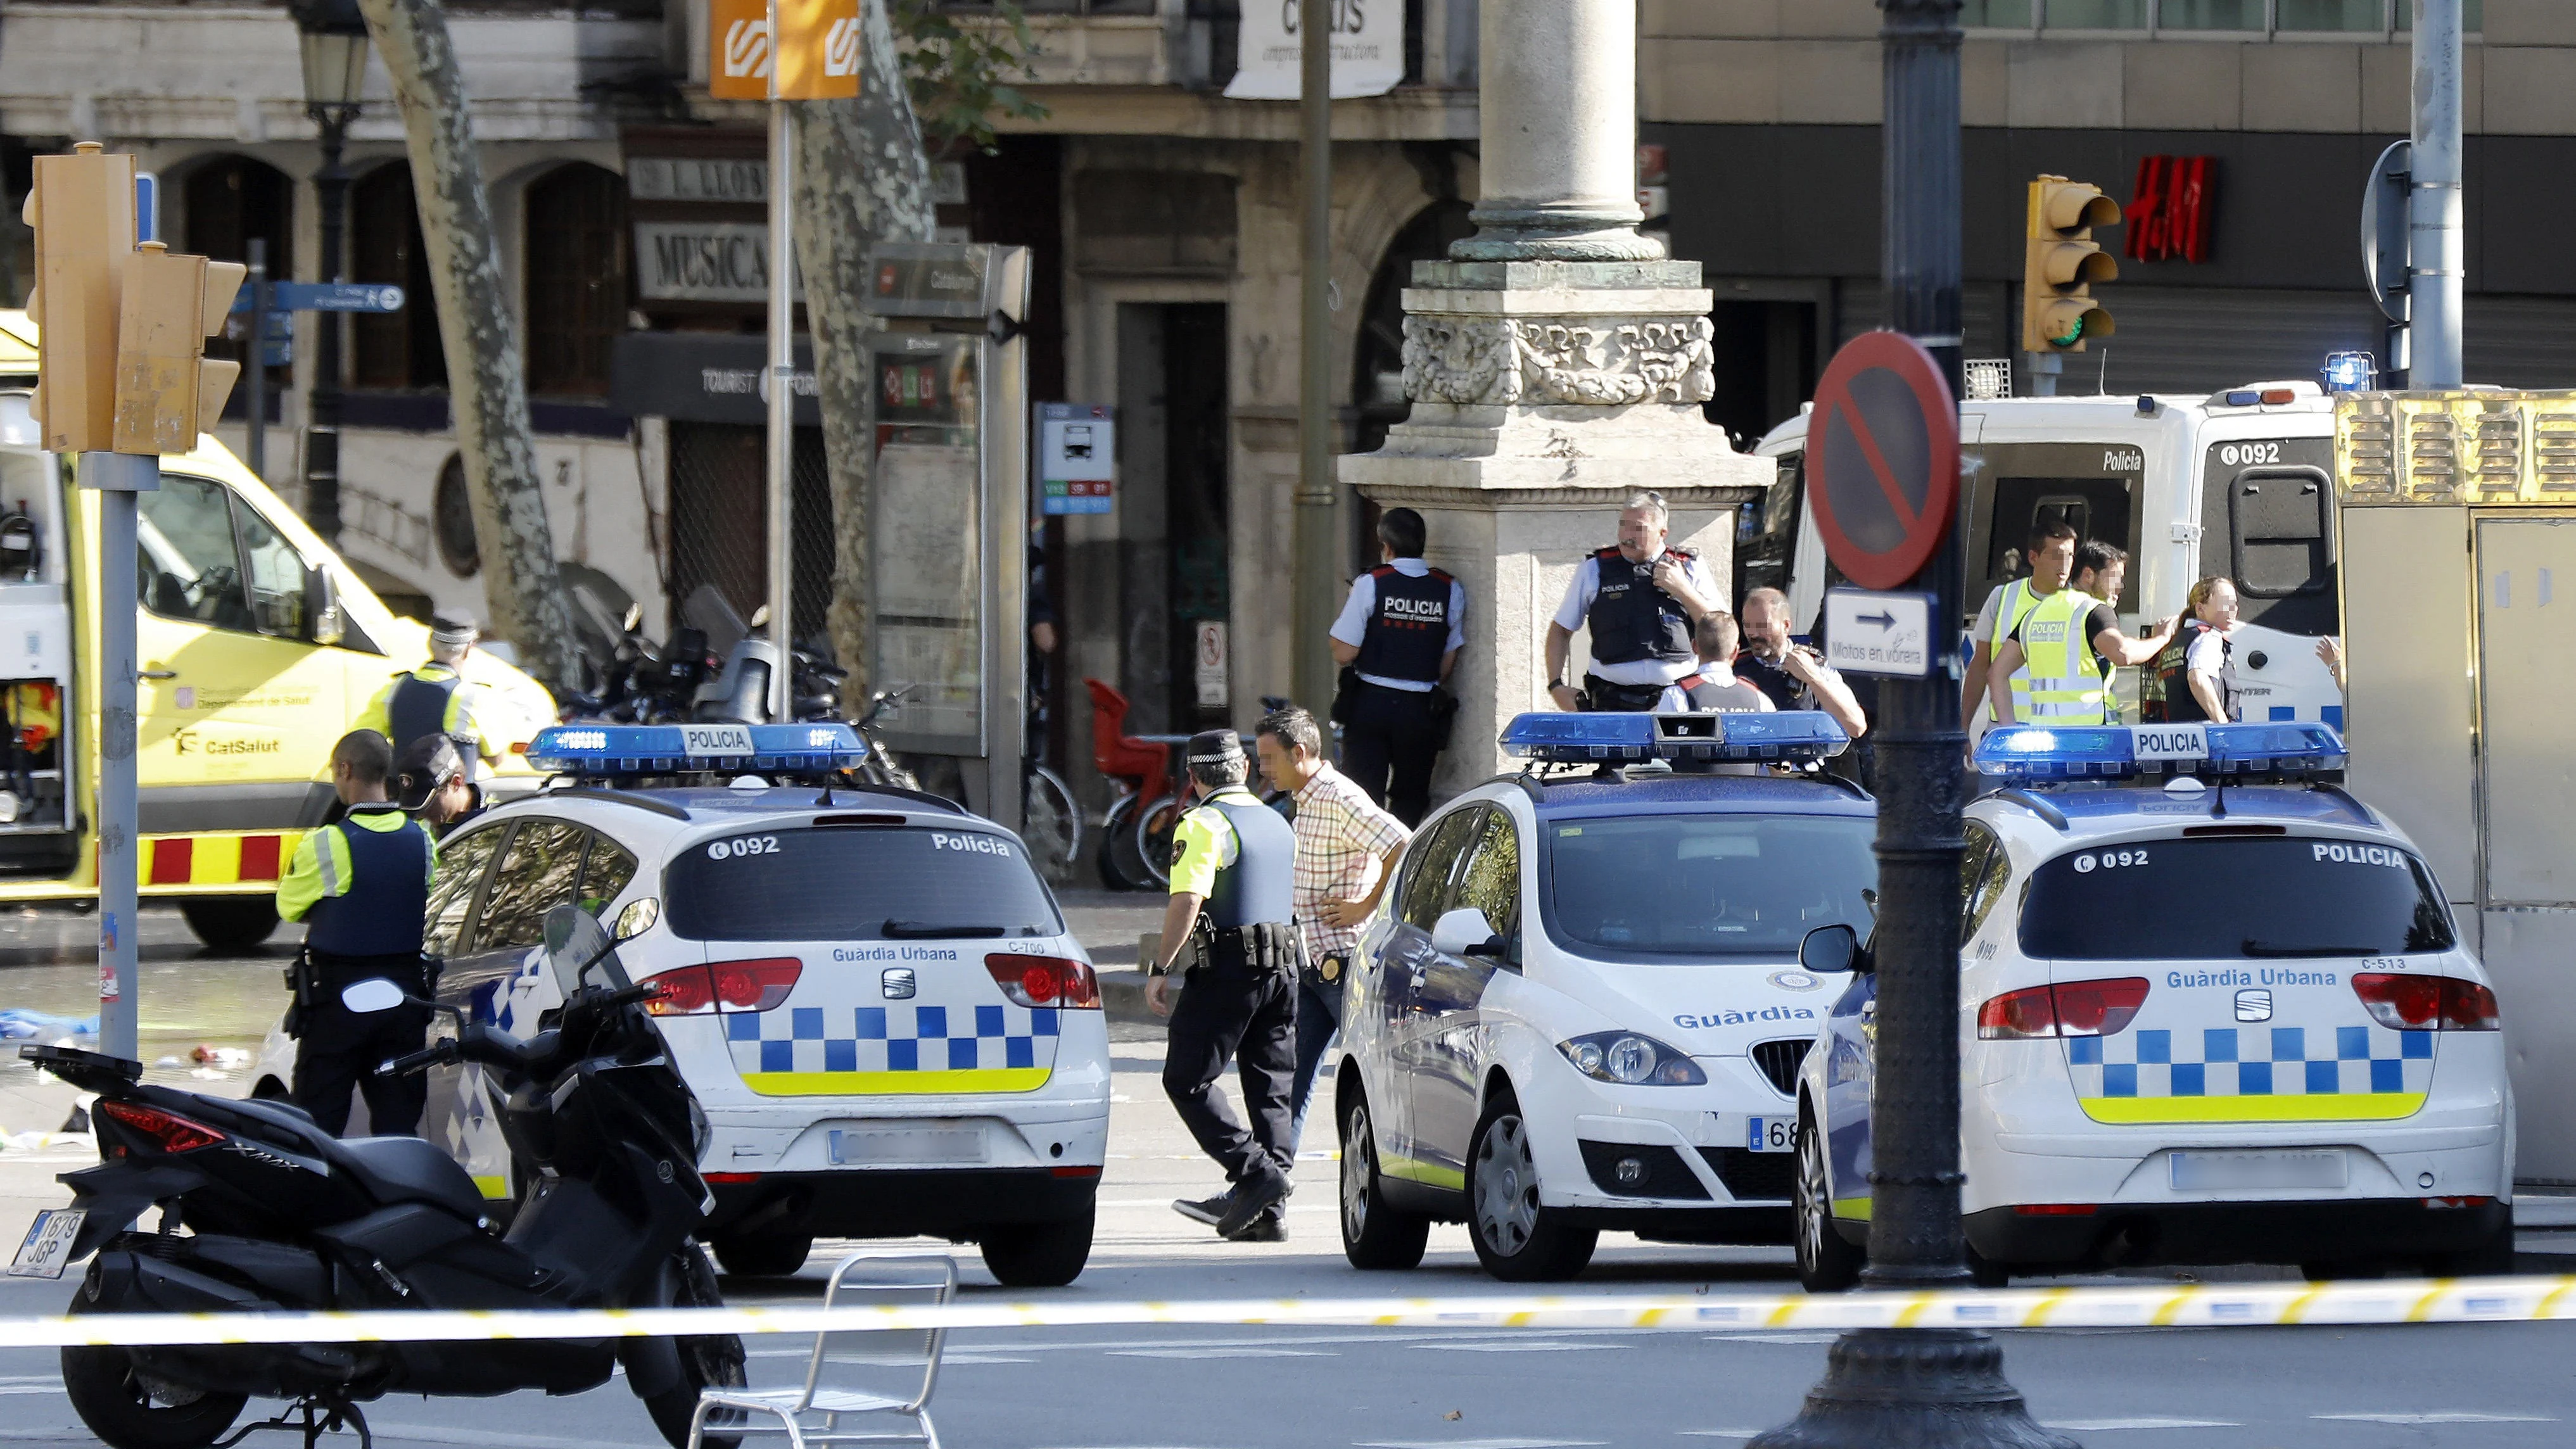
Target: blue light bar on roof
column 2074, row 752
column 615, row 749
column 1788, row 736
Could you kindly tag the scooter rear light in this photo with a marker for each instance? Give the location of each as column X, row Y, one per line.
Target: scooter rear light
column 167, row 1131
column 1055, row 981
column 2071, row 1008
column 2405, row 1002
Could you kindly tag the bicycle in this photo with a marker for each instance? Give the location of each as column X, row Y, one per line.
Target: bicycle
column 1140, row 768
column 1050, row 821
column 1156, row 824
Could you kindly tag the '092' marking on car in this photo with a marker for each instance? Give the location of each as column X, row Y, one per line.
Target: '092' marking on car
column 977, row 844
column 747, row 845
column 2237, row 455
column 2109, row 860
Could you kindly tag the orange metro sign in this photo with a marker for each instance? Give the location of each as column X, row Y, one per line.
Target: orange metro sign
column 817, row 61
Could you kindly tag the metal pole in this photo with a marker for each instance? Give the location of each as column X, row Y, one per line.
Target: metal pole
column 782, row 401
column 255, row 364
column 1918, row 1386
column 2438, row 268
column 322, row 404
column 1312, row 675
column 117, row 477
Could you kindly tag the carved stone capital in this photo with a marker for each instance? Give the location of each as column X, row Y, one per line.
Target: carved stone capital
column 1596, row 361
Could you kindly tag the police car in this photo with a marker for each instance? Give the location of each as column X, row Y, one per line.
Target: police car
column 871, row 993
column 1580, row 1006
column 2212, row 1009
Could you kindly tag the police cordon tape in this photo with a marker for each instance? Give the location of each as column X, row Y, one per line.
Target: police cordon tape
column 2256, row 1305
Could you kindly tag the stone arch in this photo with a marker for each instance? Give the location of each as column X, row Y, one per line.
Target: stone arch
column 226, row 200
column 576, row 274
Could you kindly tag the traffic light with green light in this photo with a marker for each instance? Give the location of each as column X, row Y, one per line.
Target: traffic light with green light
column 2062, row 262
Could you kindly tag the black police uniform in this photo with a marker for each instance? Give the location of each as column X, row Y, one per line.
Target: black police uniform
column 1391, row 737
column 2173, row 674
column 1241, row 1001
column 372, row 929
column 1630, row 620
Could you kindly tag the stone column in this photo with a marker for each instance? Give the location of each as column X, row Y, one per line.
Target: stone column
column 1555, row 364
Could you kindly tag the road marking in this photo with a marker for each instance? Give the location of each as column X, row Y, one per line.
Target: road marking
column 1480, row 1444
column 31, row 1388
column 878, row 1360
column 2454, row 1417
column 442, row 1434
column 1721, row 1433
column 1507, row 1346
column 2102, row 1426
column 1774, row 1338
column 1220, row 1353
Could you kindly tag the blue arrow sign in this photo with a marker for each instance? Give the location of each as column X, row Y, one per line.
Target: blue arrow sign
column 327, row 297
column 1883, row 619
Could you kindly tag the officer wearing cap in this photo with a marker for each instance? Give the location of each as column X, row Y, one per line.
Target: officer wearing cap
column 1233, row 884
column 361, row 886
column 431, row 781
column 435, row 699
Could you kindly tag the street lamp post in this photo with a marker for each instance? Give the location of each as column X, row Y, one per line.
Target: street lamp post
column 334, row 41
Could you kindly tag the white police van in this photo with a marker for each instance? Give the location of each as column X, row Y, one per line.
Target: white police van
column 2212, row 1010
column 871, row 992
column 1579, row 1006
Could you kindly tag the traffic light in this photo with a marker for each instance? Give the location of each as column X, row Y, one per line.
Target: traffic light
column 82, row 211
column 2058, row 313
column 166, row 387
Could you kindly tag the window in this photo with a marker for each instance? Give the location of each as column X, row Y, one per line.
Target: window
column 2097, row 14
column 461, row 860
column 1984, row 871
column 2360, row 17
column 1705, row 885
column 189, row 566
column 2210, row 14
column 275, row 573
column 1427, row 867
column 226, row 203
column 605, row 873
column 855, row 884
column 536, row 875
column 2277, row 517
column 2357, row 18
column 1490, row 880
column 2233, row 899
column 398, row 350
column 577, row 269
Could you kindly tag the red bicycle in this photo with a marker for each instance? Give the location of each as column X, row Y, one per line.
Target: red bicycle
column 1150, row 797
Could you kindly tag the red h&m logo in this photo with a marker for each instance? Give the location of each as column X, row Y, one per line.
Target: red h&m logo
column 2169, row 211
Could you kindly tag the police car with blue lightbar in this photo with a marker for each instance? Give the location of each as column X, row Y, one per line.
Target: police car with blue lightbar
column 871, row 992
column 2213, row 1009
column 1580, row 1007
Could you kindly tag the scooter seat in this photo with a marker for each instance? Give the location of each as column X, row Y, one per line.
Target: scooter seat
column 407, row 1169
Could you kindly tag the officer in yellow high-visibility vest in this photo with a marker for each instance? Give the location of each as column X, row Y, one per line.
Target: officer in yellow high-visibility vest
column 2050, row 554
column 2070, row 643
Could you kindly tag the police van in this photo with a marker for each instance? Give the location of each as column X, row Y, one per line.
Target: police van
column 872, row 993
column 2238, row 483
column 1579, row 1007
column 2213, row 1009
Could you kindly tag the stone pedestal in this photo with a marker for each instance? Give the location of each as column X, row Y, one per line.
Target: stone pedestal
column 1544, row 393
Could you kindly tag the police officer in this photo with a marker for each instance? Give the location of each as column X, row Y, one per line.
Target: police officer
column 1640, row 600
column 2050, row 552
column 2196, row 671
column 2072, row 642
column 1713, row 687
column 435, row 698
column 362, row 886
column 1397, row 639
column 430, row 781
column 1233, row 870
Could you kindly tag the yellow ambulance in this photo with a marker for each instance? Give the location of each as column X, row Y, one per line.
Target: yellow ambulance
column 258, row 646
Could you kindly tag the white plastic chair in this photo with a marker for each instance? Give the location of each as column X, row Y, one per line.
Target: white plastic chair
column 796, row 1410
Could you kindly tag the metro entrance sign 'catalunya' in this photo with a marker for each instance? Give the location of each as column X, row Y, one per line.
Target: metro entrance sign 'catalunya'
column 818, row 61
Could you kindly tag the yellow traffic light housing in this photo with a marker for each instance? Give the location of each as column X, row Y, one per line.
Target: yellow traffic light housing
column 2062, row 262
column 82, row 211
column 166, row 387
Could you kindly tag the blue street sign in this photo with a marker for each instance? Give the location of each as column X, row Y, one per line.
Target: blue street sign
column 147, row 206
column 327, row 297
column 280, row 326
column 279, row 354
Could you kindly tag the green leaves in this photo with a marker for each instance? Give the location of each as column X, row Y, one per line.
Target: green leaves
column 961, row 74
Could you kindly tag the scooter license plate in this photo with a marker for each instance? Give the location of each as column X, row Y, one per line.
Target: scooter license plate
column 48, row 1247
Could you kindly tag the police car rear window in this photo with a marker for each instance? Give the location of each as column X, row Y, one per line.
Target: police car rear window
column 1705, row 885
column 2251, row 898
column 855, row 885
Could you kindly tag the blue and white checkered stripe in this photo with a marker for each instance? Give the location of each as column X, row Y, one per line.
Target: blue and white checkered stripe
column 2261, row 1061
column 892, row 1038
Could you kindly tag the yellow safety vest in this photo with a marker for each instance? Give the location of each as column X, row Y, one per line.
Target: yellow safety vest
column 2010, row 610
column 2067, row 686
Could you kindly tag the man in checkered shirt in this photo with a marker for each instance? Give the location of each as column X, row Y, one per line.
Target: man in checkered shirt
column 1346, row 851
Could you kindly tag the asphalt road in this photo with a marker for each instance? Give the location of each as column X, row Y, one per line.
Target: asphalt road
column 1470, row 1388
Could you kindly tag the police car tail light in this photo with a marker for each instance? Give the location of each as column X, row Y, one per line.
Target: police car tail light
column 2426, row 1003
column 1036, row 981
column 166, row 1130
column 2072, row 1008
column 1631, row 1060
column 725, row 986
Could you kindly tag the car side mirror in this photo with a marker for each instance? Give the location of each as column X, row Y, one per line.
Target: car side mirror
column 1832, row 950
column 366, row 998
column 1465, row 932
column 322, row 623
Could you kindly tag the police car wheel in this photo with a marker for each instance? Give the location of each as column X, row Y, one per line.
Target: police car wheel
column 1826, row 1264
column 1374, row 1235
column 2493, row 1258
column 231, row 924
column 2342, row 1270
column 764, row 1255
column 1038, row 1255
column 1516, row 1239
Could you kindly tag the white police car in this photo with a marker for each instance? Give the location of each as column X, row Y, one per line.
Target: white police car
column 1579, row 1007
column 2201, row 1021
column 871, row 993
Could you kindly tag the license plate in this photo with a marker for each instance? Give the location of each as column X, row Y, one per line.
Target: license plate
column 2242, row 1171
column 716, row 739
column 49, row 1244
column 1770, row 1134
column 907, row 1145
column 2169, row 742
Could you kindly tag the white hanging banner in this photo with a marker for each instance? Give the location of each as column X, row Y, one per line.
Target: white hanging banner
column 1368, row 50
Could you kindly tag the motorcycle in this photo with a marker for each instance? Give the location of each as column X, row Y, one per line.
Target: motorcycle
column 261, row 1211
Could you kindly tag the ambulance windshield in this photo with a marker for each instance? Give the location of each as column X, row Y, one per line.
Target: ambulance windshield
column 2233, row 898
column 1705, row 885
